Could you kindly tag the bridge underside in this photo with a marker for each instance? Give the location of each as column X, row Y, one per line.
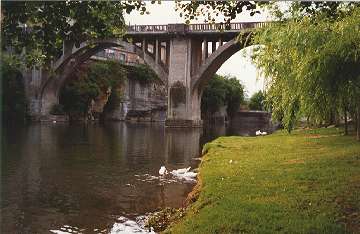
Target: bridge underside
column 185, row 58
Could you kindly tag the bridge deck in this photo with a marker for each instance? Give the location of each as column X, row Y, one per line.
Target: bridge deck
column 193, row 28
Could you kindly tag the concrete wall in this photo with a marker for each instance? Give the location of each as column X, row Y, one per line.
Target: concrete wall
column 141, row 102
column 251, row 121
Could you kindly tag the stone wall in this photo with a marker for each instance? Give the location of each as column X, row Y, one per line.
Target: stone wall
column 251, row 121
column 141, row 102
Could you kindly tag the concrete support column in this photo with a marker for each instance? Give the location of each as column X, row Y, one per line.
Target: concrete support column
column 205, row 50
column 157, row 51
column 213, row 44
column 220, row 42
column 183, row 104
column 196, row 55
column 144, row 46
column 167, row 57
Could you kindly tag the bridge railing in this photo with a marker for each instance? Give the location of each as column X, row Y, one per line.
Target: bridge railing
column 225, row 27
column 196, row 27
column 147, row 28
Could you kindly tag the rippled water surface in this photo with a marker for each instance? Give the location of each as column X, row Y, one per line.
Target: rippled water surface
column 92, row 178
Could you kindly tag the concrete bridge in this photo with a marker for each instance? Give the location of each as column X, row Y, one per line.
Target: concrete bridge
column 184, row 56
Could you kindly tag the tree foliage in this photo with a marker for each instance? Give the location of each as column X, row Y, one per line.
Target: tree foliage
column 312, row 64
column 88, row 83
column 210, row 9
column 13, row 105
column 257, row 101
column 222, row 91
column 41, row 27
column 142, row 73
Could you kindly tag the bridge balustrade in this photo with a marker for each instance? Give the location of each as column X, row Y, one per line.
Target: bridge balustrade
column 196, row 27
column 147, row 28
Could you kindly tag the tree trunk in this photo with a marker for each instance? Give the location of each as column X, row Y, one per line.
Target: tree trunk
column 346, row 122
column 354, row 118
column 345, row 119
column 358, row 123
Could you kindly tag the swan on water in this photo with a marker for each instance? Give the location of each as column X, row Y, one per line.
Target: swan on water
column 163, row 170
column 184, row 173
column 182, row 170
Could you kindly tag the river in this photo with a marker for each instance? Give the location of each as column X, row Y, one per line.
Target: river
column 93, row 178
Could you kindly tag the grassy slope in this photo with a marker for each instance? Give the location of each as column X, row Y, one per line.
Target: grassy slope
column 306, row 182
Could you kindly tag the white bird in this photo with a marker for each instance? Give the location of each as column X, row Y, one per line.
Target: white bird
column 182, row 170
column 184, row 173
column 54, row 121
column 162, row 170
column 259, row 133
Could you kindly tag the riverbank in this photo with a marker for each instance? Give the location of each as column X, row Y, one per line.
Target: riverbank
column 306, row 182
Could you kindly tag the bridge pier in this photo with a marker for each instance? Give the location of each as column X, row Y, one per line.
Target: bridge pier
column 183, row 104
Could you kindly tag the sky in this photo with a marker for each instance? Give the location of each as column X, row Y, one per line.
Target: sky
column 239, row 65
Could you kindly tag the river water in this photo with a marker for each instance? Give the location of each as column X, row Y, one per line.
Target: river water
column 93, row 178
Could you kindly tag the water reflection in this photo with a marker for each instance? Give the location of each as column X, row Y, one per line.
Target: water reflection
column 84, row 178
column 88, row 176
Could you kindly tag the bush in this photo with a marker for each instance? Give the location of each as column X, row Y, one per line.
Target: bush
column 14, row 105
column 142, row 73
column 257, row 101
column 222, row 91
column 88, row 83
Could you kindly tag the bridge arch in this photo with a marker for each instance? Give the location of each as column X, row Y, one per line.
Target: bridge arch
column 73, row 58
column 212, row 64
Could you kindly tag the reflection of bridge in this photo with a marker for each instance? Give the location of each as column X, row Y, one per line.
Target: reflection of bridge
column 183, row 56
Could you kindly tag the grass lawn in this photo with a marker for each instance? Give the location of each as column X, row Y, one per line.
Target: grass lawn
column 306, row 182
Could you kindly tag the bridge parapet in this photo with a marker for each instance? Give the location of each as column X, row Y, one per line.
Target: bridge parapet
column 194, row 28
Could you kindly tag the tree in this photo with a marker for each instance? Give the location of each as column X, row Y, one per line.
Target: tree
column 222, row 91
column 88, row 83
column 142, row 73
column 13, row 101
column 41, row 27
column 313, row 66
column 257, row 101
column 209, row 9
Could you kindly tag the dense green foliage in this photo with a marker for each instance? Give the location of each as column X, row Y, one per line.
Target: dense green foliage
column 313, row 66
column 142, row 73
column 42, row 26
column 222, row 91
column 88, row 83
column 13, row 106
column 257, row 101
column 306, row 182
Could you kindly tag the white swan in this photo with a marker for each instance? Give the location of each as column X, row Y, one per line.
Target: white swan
column 260, row 133
column 182, row 170
column 163, row 170
column 184, row 173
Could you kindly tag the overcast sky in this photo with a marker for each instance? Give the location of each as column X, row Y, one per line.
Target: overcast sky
column 239, row 65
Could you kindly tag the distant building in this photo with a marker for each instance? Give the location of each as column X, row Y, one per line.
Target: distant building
column 118, row 54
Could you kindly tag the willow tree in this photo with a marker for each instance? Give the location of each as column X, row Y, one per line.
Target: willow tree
column 313, row 66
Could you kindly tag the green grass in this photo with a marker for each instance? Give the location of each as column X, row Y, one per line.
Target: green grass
column 306, row 182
